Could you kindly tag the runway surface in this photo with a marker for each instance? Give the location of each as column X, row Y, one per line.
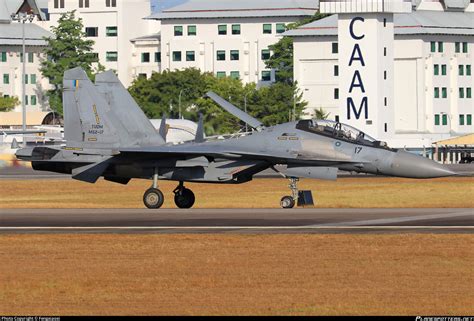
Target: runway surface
column 245, row 221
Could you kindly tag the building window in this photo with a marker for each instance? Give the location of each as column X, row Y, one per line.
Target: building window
column 436, row 120
column 142, row 76
column 385, row 127
column 385, row 51
column 192, row 30
column 336, row 70
column 83, row 3
column 464, row 47
column 26, row 100
column 92, row 31
column 433, row 46
column 178, row 31
column 436, row 92
column 443, row 70
column 111, row 56
column 335, row 48
column 461, row 70
column 157, row 56
column 222, row 29
column 220, row 74
column 461, row 92
column 440, row 46
column 26, row 79
column 190, row 56
column 145, row 57
column 457, row 47
column 235, row 75
column 468, row 70
column 33, row 100
column 31, row 57
column 266, row 75
column 469, row 92
column 58, row 4
column 385, row 101
column 33, row 79
column 236, row 29
column 234, row 55
column 385, row 75
column 3, row 56
column 176, row 55
column 280, row 28
column 444, row 92
column 336, row 93
column 469, row 119
column 266, row 54
column 267, row 28
column 111, row 31
column 436, row 70
column 461, row 120
column 111, row 3
column 220, row 55
column 6, row 79
column 445, row 119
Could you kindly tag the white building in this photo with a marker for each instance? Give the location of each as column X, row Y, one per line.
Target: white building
column 112, row 24
column 428, row 93
column 11, row 57
column 146, row 55
column 227, row 37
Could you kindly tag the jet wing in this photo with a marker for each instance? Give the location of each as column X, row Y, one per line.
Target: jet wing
column 204, row 150
column 235, row 111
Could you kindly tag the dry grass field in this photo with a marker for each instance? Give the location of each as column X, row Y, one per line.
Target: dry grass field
column 234, row 274
column 260, row 193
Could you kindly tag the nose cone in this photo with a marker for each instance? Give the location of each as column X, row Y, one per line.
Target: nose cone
column 408, row 165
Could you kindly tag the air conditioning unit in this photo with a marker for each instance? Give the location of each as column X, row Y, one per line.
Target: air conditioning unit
column 246, row 73
column 246, row 52
column 134, row 54
column 202, row 53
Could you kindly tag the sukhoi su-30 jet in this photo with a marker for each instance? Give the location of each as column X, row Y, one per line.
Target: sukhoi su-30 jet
column 109, row 136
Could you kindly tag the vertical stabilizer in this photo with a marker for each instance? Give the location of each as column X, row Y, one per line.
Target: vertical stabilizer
column 138, row 129
column 88, row 121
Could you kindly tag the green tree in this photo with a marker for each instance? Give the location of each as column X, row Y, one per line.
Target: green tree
column 159, row 95
column 321, row 114
column 282, row 53
column 8, row 103
column 65, row 50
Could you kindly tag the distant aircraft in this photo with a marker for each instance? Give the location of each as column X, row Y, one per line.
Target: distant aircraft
column 108, row 136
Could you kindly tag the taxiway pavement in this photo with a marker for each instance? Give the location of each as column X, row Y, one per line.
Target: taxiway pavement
column 244, row 221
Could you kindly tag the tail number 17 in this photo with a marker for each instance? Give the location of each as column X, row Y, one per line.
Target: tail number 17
column 358, row 150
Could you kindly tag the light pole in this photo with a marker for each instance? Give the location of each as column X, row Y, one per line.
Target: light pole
column 179, row 103
column 245, row 106
column 23, row 17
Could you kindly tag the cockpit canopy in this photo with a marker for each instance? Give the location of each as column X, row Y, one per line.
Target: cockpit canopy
column 338, row 130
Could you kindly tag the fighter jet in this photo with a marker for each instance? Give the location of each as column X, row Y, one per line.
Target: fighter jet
column 108, row 136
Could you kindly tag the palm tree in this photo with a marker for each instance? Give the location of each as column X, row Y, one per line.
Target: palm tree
column 321, row 114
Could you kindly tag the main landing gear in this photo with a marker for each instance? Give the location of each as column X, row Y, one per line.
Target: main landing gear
column 154, row 198
column 290, row 201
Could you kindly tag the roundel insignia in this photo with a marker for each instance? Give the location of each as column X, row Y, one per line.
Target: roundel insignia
column 338, row 144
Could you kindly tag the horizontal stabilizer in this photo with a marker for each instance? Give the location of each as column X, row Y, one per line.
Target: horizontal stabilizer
column 243, row 116
column 90, row 173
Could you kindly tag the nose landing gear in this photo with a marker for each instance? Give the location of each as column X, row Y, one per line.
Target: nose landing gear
column 290, row 201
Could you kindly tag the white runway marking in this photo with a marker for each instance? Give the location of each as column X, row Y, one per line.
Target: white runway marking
column 400, row 219
column 314, row 227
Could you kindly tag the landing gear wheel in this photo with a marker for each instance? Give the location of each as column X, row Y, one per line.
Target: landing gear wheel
column 184, row 198
column 153, row 198
column 287, row 202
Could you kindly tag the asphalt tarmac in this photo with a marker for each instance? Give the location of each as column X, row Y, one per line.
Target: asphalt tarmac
column 241, row 221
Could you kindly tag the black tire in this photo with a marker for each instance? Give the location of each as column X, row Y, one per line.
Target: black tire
column 184, row 198
column 287, row 202
column 153, row 198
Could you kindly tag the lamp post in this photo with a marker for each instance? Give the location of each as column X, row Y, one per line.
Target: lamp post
column 179, row 103
column 23, row 17
column 245, row 106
